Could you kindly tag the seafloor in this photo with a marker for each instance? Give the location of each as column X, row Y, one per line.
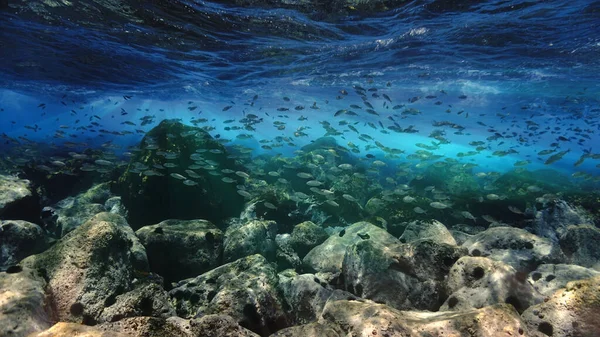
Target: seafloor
column 189, row 238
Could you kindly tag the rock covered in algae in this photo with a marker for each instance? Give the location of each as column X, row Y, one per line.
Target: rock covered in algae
column 146, row 299
column 306, row 296
column 246, row 289
column 23, row 303
column 571, row 311
column 514, row 246
column 328, row 257
column 403, row 276
column 74, row 329
column 305, row 236
column 179, row 249
column 252, row 237
column 205, row 326
column 365, row 318
column 74, row 211
column 19, row 239
column 18, row 201
column 433, row 230
column 552, row 221
column 153, row 194
column 580, row 245
column 477, row 282
column 89, row 267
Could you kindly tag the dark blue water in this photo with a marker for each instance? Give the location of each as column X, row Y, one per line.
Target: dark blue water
column 520, row 76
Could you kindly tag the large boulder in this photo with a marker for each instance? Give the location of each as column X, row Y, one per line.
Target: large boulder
column 245, row 289
column 328, row 257
column 18, row 201
column 548, row 278
column 514, row 246
column 305, row 236
column 205, row 326
column 286, row 257
column 580, row 245
column 552, row 221
column 403, row 276
column 365, row 318
column 571, row 311
column 19, row 239
column 477, row 282
column 179, row 249
column 253, row 237
column 23, row 303
column 306, row 296
column 147, row 299
column 432, row 230
column 88, row 268
column 152, row 191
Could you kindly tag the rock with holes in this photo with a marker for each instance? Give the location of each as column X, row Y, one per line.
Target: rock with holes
column 571, row 311
column 73, row 329
column 432, row 230
column 403, row 276
column 179, row 249
column 516, row 247
column 580, row 245
column 252, row 237
column 306, row 296
column 245, row 289
column 18, row 200
column 552, row 221
column 146, row 299
column 365, row 318
column 206, row 326
column 548, row 278
column 306, row 236
column 477, row 282
column 23, row 303
column 329, row 256
column 19, row 239
column 87, row 267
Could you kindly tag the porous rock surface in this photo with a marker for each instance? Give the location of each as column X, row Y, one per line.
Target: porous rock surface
column 246, row 289
column 179, row 249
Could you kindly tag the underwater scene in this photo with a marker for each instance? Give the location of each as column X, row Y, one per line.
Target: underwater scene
column 299, row 168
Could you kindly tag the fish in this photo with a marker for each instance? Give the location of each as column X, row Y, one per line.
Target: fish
column 178, row 176
column 438, row 205
column 468, row 215
column 515, row 210
column 556, row 157
column 408, row 199
column 244, row 193
column 269, row 205
column 349, row 197
column 419, row 210
column 304, row 175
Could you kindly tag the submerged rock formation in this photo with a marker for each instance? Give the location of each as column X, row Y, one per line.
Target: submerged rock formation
column 246, row 289
column 179, row 249
column 157, row 184
column 18, row 200
column 89, row 268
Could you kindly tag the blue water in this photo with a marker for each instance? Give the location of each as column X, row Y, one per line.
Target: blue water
column 504, row 64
